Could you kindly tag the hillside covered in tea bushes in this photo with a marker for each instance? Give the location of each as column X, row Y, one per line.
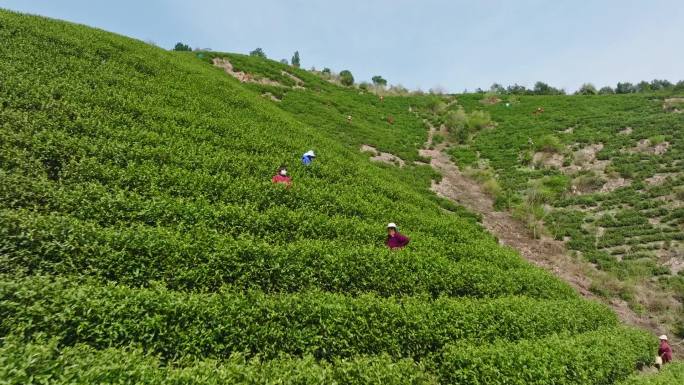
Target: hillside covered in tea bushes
column 142, row 241
column 602, row 173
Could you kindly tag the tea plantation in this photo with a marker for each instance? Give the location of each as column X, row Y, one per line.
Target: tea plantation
column 603, row 173
column 142, row 241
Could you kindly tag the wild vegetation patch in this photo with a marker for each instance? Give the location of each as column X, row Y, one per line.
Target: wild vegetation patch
column 623, row 160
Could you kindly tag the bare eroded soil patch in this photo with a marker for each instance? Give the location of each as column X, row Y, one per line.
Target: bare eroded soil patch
column 546, row 253
column 382, row 157
column 244, row 77
column 645, row 146
column 675, row 105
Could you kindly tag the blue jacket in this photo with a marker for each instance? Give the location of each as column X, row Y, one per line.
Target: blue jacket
column 306, row 160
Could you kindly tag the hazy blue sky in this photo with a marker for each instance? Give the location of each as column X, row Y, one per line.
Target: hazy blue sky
column 426, row 43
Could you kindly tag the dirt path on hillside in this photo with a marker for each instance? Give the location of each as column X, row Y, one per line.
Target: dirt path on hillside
column 546, row 253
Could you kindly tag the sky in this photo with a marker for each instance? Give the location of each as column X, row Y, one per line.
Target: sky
column 420, row 44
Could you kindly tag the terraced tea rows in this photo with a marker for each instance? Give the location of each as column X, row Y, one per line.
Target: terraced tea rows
column 141, row 239
column 602, row 173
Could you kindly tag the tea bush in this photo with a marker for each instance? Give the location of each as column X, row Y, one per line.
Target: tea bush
column 177, row 325
column 591, row 358
column 47, row 362
column 201, row 260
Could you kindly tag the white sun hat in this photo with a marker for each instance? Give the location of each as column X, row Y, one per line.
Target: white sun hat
column 391, row 225
column 310, row 153
column 663, row 337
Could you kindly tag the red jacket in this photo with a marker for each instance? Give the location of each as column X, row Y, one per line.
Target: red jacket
column 282, row 179
column 665, row 351
column 397, row 241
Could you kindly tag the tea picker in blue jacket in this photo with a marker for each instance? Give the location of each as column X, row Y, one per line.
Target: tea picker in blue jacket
column 308, row 157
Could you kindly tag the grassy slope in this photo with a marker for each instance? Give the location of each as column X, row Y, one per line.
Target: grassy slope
column 325, row 106
column 642, row 221
column 137, row 216
column 670, row 374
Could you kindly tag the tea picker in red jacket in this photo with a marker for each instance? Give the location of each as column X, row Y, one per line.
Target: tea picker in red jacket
column 664, row 350
column 395, row 240
column 281, row 177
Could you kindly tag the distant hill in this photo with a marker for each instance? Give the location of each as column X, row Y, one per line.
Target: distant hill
column 142, row 240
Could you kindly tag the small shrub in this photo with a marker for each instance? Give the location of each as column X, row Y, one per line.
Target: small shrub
column 657, row 139
column 660, row 270
column 490, row 99
column 606, row 91
column 533, row 216
column 181, row 47
column 587, row 89
column 478, row 120
column 492, row 187
column 538, row 195
column 480, row 175
column 258, row 53
column 525, row 157
column 379, row 81
column 463, row 156
column 680, row 327
column 456, row 120
column 556, row 184
column 461, row 135
column 346, row 78
column 513, row 99
column 436, row 105
column 550, row 143
column 463, row 125
column 588, row 182
column 679, row 193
